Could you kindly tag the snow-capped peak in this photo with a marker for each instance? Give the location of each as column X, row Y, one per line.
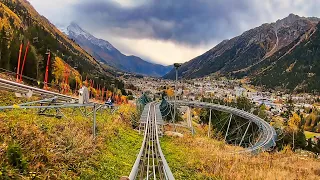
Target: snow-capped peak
column 75, row 30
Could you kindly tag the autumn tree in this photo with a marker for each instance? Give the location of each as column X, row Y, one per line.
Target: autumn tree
column 170, row 92
column 298, row 137
column 58, row 70
column 294, row 122
column 311, row 122
column 261, row 112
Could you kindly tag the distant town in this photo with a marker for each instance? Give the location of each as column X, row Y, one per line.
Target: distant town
column 276, row 102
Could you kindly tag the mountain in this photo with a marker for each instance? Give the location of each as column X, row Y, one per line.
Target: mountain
column 295, row 67
column 252, row 51
column 105, row 52
column 21, row 23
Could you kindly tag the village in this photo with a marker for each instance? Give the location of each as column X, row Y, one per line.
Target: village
column 276, row 103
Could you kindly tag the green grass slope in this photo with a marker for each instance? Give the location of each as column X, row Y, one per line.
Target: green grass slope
column 38, row 147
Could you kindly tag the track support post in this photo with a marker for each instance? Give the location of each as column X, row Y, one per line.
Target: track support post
column 245, row 133
column 209, row 128
column 225, row 137
column 94, row 121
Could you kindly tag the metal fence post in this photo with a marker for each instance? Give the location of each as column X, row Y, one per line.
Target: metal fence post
column 94, row 120
column 209, row 128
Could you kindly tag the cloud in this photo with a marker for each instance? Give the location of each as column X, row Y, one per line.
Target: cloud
column 187, row 21
column 57, row 11
column 168, row 31
column 181, row 21
column 158, row 51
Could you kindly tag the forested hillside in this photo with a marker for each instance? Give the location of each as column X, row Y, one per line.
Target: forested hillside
column 296, row 67
column 20, row 24
column 283, row 54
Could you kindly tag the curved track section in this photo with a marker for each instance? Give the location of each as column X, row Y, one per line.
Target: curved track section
column 268, row 135
column 150, row 162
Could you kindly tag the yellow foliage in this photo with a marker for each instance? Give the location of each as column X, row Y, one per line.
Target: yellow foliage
column 93, row 90
column 289, row 69
column 294, row 121
column 5, row 23
column 126, row 111
column 17, row 20
column 119, row 92
column 58, row 69
column 313, row 118
column 109, row 93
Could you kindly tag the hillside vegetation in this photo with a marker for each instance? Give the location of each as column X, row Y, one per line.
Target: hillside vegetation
column 279, row 55
column 39, row 147
column 20, row 24
column 298, row 69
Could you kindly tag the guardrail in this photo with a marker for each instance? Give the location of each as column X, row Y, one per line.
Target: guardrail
column 269, row 135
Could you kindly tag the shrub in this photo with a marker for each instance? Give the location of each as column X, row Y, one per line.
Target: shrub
column 15, row 157
column 130, row 97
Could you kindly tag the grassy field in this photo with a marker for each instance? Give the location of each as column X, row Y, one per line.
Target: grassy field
column 203, row 158
column 39, row 147
column 310, row 134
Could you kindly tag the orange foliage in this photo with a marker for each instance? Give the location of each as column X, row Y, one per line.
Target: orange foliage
column 170, row 92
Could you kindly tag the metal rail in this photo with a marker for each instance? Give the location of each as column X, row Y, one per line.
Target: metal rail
column 52, row 100
column 150, row 162
column 21, row 88
column 268, row 136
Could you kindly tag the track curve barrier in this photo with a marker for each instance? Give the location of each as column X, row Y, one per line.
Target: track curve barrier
column 268, row 133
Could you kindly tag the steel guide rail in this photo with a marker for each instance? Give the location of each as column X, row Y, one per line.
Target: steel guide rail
column 49, row 107
column 269, row 134
column 166, row 167
column 150, row 162
column 136, row 165
column 17, row 87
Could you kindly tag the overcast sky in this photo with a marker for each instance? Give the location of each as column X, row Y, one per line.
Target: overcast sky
column 168, row 31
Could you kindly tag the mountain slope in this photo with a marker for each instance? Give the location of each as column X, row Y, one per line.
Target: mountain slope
column 105, row 52
column 20, row 22
column 296, row 67
column 251, row 48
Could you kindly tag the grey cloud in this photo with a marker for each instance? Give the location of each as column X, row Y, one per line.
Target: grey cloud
column 181, row 21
